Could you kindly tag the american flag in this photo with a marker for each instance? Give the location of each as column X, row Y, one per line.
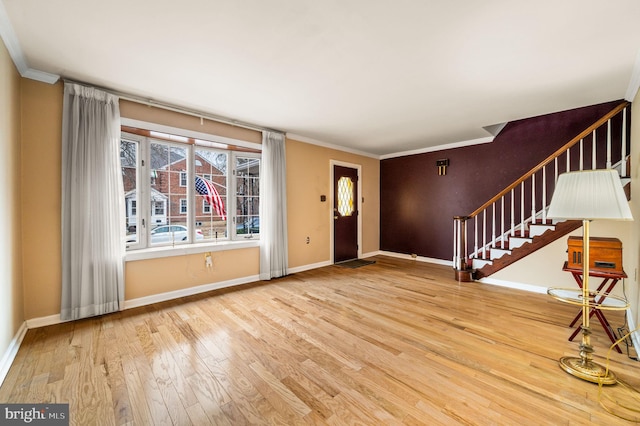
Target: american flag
column 205, row 188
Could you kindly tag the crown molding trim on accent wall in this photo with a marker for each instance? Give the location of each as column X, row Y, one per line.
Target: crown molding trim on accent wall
column 12, row 44
column 460, row 144
column 311, row 141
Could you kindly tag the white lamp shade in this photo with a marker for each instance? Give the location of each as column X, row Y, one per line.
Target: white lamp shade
column 589, row 194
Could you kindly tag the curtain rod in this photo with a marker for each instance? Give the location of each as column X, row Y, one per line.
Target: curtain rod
column 178, row 109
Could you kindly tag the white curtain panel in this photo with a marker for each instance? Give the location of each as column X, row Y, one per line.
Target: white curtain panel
column 93, row 223
column 273, row 207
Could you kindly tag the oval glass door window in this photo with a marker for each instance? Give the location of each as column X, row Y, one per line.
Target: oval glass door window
column 345, row 196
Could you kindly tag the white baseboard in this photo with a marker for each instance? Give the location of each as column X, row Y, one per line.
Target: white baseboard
column 170, row 295
column 417, row 258
column 12, row 351
column 514, row 285
column 156, row 298
column 309, row 267
column 371, row 254
column 44, row 321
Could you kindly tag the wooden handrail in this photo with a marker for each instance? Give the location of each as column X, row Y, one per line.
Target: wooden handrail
column 550, row 158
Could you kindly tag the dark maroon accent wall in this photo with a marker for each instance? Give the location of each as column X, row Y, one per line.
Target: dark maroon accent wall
column 417, row 205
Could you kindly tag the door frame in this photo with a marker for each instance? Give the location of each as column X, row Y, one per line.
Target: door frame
column 358, row 168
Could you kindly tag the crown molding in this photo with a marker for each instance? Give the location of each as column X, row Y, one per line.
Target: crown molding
column 41, row 76
column 460, row 144
column 12, row 44
column 305, row 139
column 395, row 154
column 634, row 82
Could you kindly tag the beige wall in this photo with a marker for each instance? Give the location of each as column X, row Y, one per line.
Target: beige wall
column 11, row 293
column 308, row 174
column 151, row 114
column 309, row 177
column 155, row 276
column 41, row 196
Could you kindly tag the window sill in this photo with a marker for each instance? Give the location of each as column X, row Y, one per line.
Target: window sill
column 159, row 252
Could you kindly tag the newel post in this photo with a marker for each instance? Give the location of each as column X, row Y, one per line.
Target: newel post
column 461, row 264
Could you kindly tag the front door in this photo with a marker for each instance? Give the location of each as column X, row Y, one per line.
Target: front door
column 345, row 213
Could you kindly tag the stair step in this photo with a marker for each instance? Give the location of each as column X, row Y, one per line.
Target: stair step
column 480, row 263
column 515, row 242
column 497, row 252
column 536, row 229
column 484, row 268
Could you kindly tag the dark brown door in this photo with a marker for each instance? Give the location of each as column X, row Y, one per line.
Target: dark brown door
column 345, row 213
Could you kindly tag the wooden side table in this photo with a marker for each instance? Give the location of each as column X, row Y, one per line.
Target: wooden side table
column 609, row 280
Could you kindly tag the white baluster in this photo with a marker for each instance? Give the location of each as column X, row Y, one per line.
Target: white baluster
column 555, row 178
column 522, row 209
column 593, row 151
column 466, row 243
column 544, row 195
column 513, row 214
column 581, row 154
column 484, row 234
column 502, row 222
column 608, row 143
column 533, row 198
column 568, row 160
column 493, row 225
column 624, row 143
column 475, row 231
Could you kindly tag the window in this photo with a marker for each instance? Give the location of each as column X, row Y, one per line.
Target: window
column 171, row 185
column 158, row 208
column 247, row 196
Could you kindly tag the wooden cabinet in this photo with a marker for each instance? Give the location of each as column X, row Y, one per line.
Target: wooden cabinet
column 605, row 254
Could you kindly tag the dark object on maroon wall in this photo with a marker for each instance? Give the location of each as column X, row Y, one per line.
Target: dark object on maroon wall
column 417, row 205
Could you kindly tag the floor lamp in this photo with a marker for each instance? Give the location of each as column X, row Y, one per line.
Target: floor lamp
column 588, row 195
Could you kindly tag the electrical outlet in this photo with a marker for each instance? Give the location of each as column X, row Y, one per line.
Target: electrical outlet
column 413, row 255
column 208, row 261
column 308, row 240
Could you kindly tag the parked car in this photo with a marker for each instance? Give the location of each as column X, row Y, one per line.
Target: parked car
column 250, row 226
column 167, row 234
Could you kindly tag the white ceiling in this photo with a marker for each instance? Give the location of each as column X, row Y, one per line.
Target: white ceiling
column 376, row 76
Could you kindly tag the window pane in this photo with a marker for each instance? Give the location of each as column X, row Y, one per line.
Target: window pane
column 210, row 201
column 247, row 195
column 345, row 196
column 168, row 166
column 129, row 151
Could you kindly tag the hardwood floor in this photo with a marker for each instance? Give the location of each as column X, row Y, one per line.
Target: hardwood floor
column 397, row 342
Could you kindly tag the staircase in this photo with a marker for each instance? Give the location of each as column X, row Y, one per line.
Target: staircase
column 519, row 247
column 513, row 224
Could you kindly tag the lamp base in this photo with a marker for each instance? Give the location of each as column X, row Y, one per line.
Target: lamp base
column 587, row 370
